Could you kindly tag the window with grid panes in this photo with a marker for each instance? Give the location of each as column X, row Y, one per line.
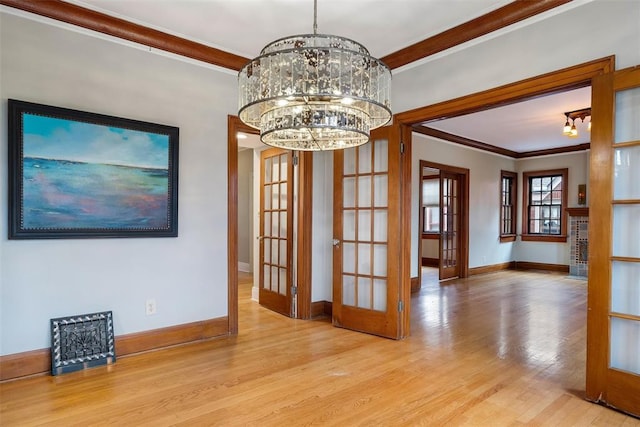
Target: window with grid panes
column 545, row 199
column 508, row 188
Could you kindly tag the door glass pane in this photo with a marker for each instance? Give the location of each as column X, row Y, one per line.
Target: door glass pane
column 274, row 251
column 364, row 292
column 267, row 196
column 380, row 190
column 380, row 294
column 283, row 167
column 283, row 253
column 267, row 170
column 626, row 230
column 348, row 290
column 627, row 125
column 275, row 173
column 380, row 226
column 283, row 196
column 364, row 158
column 626, row 178
column 349, row 225
column 349, row 161
column 274, row 224
column 349, row 192
column 625, row 292
column 274, row 279
column 267, row 277
column 380, row 260
column 267, row 249
column 364, row 258
column 275, row 197
column 267, row 224
column 380, row 161
column 625, row 344
column 364, row 225
column 349, row 258
column 283, row 224
column 364, row 191
column 283, row 281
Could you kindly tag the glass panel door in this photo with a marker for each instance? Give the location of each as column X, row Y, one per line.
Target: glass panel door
column 613, row 319
column 449, row 225
column 276, row 226
column 366, row 228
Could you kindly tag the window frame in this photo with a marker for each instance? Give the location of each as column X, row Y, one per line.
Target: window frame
column 541, row 237
column 513, row 177
column 428, row 234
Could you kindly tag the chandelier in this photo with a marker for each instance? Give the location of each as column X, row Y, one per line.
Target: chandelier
column 570, row 129
column 314, row 92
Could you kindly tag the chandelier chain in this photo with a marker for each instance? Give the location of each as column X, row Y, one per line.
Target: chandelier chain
column 315, row 17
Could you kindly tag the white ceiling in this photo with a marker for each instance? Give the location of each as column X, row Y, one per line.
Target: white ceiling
column 526, row 126
column 244, row 27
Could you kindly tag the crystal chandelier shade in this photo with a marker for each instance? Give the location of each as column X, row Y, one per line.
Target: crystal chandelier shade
column 315, row 92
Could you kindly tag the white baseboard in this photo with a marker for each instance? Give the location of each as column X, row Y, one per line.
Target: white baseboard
column 255, row 293
column 244, row 266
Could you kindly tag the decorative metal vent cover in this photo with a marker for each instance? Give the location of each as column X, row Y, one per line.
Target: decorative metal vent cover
column 80, row 342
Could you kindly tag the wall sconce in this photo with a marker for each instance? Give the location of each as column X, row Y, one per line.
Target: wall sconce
column 570, row 130
column 582, row 194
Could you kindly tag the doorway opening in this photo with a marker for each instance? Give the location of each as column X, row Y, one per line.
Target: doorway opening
column 443, row 233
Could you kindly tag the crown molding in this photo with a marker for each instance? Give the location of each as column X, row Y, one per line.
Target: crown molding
column 120, row 28
column 117, row 27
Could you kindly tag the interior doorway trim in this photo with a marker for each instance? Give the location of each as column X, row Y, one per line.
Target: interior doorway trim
column 305, row 165
column 559, row 81
column 463, row 232
column 554, row 82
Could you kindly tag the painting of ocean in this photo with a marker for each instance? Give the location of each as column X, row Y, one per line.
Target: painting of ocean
column 79, row 175
column 63, row 194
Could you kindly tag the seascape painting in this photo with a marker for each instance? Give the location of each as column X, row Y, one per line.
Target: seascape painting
column 88, row 178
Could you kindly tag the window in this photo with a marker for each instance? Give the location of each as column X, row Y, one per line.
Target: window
column 544, row 200
column 508, row 189
column 431, row 204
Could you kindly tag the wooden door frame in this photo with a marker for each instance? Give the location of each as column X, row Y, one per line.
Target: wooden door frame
column 235, row 125
column 463, row 234
column 562, row 80
column 599, row 388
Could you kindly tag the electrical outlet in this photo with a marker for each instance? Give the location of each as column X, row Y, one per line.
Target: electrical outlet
column 150, row 307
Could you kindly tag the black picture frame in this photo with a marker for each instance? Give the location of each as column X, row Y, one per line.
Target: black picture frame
column 78, row 174
column 83, row 341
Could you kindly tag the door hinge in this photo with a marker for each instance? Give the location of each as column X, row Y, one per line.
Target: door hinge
column 402, row 148
column 400, row 306
column 294, row 290
column 295, row 159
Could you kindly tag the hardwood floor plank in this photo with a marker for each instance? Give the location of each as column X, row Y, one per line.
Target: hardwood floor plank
column 500, row 349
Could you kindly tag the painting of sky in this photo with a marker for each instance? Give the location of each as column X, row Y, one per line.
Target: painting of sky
column 78, row 175
column 60, row 139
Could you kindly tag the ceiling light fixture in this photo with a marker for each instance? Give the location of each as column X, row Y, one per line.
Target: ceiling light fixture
column 314, row 92
column 571, row 130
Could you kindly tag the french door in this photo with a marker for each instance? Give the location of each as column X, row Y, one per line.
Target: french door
column 613, row 316
column 449, row 225
column 366, row 258
column 276, row 230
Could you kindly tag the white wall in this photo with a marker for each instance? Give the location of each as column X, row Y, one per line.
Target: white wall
column 484, row 176
column 245, row 210
column 187, row 275
column 584, row 32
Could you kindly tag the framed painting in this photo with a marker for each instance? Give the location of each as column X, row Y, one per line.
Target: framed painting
column 75, row 174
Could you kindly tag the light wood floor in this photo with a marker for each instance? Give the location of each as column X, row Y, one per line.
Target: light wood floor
column 501, row 349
